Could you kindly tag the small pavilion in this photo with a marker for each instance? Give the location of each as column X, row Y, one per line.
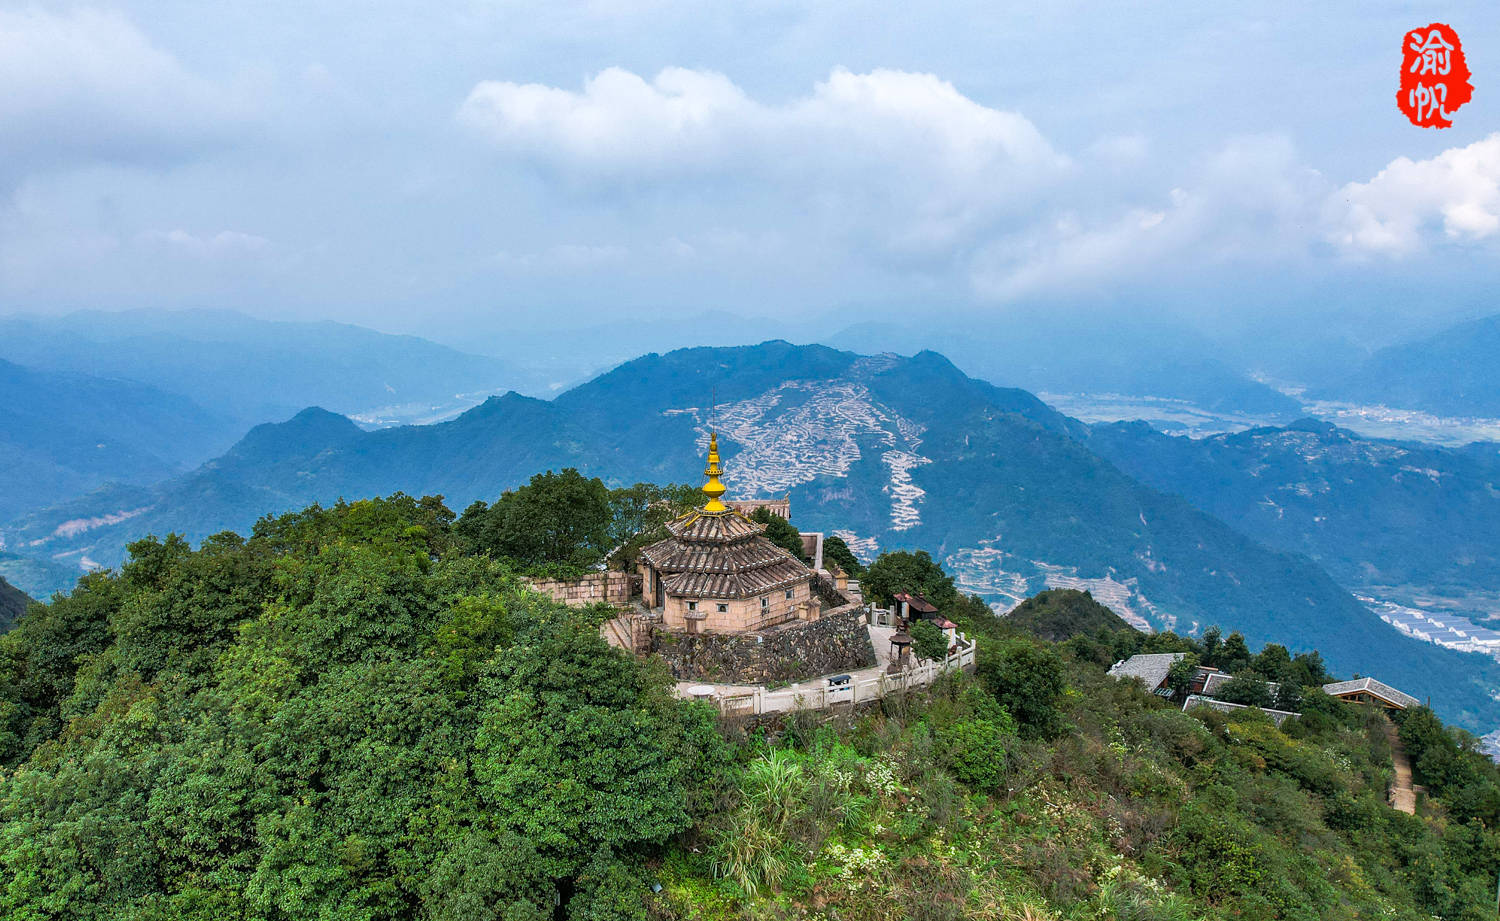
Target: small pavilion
column 717, row 572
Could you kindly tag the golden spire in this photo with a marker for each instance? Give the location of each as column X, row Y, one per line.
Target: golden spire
column 714, row 489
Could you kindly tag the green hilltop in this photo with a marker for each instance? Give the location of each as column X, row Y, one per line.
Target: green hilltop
column 360, row 712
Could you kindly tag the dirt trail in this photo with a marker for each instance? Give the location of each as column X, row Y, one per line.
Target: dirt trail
column 1403, row 797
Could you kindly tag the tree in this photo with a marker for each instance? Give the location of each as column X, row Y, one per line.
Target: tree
column 1180, row 675
column 1234, row 655
column 928, row 640
column 1273, row 662
column 1308, row 670
column 1212, row 646
column 780, row 532
column 835, row 549
column 1026, row 678
column 905, row 571
column 1247, row 690
column 557, row 518
column 1288, row 696
column 639, row 515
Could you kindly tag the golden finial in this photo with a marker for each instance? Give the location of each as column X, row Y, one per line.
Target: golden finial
column 714, row 489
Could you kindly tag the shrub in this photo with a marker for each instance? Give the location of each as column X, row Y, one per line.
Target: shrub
column 928, row 640
column 974, row 750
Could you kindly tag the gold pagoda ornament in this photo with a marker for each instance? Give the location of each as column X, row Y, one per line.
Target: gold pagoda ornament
column 714, row 488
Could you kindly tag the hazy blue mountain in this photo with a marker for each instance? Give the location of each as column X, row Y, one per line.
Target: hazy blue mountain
column 1372, row 513
column 62, row 434
column 38, row 578
column 1453, row 373
column 1079, row 356
column 896, row 452
column 13, row 604
column 256, row 370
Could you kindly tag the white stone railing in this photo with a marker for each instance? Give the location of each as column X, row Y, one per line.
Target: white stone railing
column 856, row 691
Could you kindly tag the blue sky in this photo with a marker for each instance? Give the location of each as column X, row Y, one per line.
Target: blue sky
column 460, row 170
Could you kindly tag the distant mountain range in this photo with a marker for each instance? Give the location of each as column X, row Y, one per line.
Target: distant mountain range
column 1375, row 514
column 1088, row 356
column 1453, row 373
column 252, row 370
column 891, row 452
column 64, row 433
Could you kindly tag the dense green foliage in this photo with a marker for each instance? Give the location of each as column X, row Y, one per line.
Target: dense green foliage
column 352, row 715
column 836, row 551
column 928, row 640
column 340, row 717
column 914, row 573
column 563, row 524
column 780, row 532
column 561, row 519
column 1062, row 613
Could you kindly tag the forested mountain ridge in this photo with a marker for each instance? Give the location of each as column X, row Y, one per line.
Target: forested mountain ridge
column 892, row 452
column 1451, row 373
column 1375, row 514
column 62, row 434
column 351, row 713
column 255, row 370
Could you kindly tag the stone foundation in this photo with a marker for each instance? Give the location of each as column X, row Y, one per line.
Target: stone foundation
column 839, row 642
column 609, row 587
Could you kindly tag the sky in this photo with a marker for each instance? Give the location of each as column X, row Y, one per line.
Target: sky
column 472, row 170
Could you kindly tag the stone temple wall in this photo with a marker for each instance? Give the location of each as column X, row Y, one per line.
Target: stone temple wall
column 608, row 587
column 838, row 642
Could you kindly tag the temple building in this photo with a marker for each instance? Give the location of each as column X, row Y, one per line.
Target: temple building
column 717, row 572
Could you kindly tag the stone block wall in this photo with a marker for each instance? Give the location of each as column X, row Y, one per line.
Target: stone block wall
column 839, row 642
column 608, row 587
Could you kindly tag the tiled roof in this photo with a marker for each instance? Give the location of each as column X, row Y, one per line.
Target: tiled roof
column 1277, row 716
column 1371, row 686
column 1150, row 670
column 917, row 602
column 742, row 584
column 672, row 555
column 1213, row 685
column 721, row 556
column 722, row 528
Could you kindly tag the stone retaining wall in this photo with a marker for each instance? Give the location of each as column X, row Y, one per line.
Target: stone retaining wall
column 608, row 587
column 838, row 642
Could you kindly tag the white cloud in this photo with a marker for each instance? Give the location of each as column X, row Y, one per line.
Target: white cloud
column 1458, row 189
column 88, row 86
column 1251, row 200
column 223, row 243
column 902, row 156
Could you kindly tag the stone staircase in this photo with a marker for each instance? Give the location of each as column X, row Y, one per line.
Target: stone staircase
column 629, row 632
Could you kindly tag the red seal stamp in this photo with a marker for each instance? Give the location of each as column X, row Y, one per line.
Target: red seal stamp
column 1434, row 76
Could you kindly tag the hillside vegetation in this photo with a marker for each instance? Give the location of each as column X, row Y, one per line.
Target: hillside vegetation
column 1451, row 373
column 1063, row 613
column 350, row 714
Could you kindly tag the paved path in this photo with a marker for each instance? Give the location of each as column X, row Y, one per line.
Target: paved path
column 1403, row 797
